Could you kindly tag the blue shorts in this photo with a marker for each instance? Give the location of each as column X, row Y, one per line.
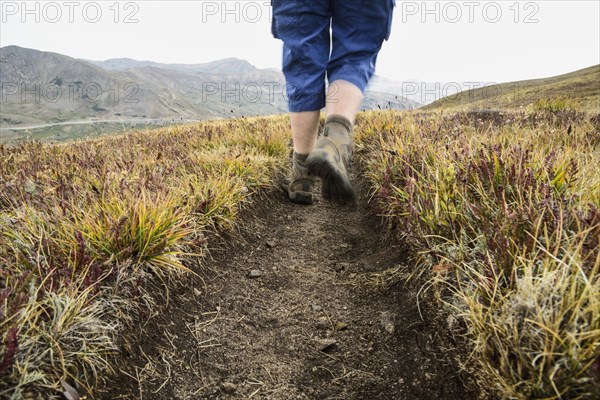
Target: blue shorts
column 311, row 53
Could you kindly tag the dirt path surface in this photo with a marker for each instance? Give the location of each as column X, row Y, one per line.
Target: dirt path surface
column 281, row 317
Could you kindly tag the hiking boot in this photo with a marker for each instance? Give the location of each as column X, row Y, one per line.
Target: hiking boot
column 330, row 160
column 299, row 185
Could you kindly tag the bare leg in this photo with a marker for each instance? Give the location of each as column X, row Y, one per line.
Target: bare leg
column 343, row 98
column 331, row 160
column 305, row 127
column 304, row 135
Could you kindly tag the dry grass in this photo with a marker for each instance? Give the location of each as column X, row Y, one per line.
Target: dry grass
column 578, row 89
column 502, row 211
column 84, row 226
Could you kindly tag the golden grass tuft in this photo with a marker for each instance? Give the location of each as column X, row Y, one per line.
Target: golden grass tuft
column 84, row 225
column 502, row 211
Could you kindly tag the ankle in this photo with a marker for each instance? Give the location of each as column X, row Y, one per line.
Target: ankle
column 339, row 119
column 299, row 159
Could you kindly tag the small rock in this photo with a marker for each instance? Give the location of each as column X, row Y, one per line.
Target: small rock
column 340, row 267
column 340, row 326
column 325, row 345
column 197, row 292
column 255, row 273
column 386, row 322
column 316, row 307
column 322, row 323
column 70, row 392
column 229, row 387
column 270, row 244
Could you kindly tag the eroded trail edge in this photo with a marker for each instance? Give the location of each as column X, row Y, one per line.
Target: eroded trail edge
column 283, row 315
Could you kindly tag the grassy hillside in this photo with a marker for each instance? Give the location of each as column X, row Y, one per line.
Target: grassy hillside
column 576, row 90
column 502, row 217
column 70, row 132
column 502, row 213
column 87, row 228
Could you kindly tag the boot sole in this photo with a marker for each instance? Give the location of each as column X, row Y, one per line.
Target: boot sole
column 335, row 183
column 301, row 197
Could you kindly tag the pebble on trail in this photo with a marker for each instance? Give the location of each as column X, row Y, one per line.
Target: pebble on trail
column 255, row 273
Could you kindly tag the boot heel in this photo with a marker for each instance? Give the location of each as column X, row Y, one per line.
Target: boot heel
column 300, row 197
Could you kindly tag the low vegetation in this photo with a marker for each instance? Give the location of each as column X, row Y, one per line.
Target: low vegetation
column 578, row 90
column 502, row 211
column 88, row 228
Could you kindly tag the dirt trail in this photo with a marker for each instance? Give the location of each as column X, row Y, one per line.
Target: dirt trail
column 272, row 336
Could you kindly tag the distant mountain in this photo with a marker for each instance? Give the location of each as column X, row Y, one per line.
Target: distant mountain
column 42, row 87
column 225, row 66
column 581, row 88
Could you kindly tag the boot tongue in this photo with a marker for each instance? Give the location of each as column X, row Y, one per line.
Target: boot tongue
column 338, row 125
column 340, row 119
column 335, row 129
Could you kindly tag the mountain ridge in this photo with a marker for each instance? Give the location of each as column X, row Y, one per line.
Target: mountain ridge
column 45, row 88
column 230, row 65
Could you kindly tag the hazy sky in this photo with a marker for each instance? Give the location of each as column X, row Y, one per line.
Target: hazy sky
column 441, row 41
